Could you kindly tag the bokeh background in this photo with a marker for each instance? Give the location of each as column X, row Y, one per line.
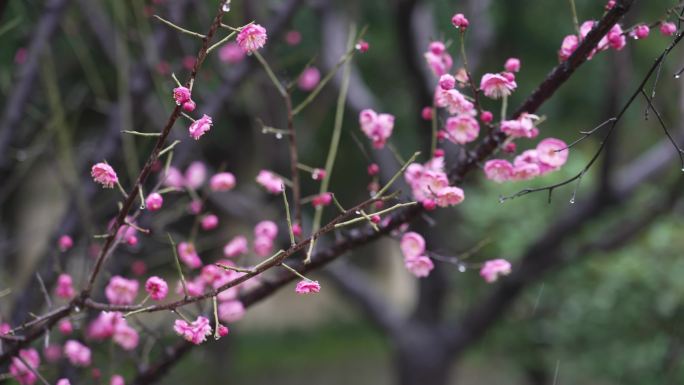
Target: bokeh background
column 601, row 300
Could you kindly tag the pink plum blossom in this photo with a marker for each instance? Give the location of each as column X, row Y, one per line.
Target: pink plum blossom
column 459, row 21
column 157, row 288
column 200, row 126
column 266, row 229
column 306, row 286
column 223, row 181
column 209, row 222
column 121, row 291
column 231, row 53
column 104, row 174
column 453, row 101
column 522, row 127
column 117, row 380
column 263, row 246
column 420, row 266
column 77, row 353
column 154, row 202
column 412, row 244
column 125, row 336
column 496, row 86
column 377, row 127
column 181, row 95
column 64, row 288
column 23, row 374
column 568, row 46
column 512, row 64
column 188, row 255
column 309, row 79
column 231, row 311
column 668, row 28
column 438, row 58
column 498, row 170
column 237, row 246
column 195, row 332
column 462, row 129
column 493, row 269
column 447, row 82
column 552, row 152
column 65, row 243
column 251, row 38
column 270, row 181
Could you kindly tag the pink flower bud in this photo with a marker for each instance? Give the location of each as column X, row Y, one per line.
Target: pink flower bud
column 512, row 64
column 209, row 222
column 223, row 330
column 439, row 153
column 309, row 79
column 223, row 181
column 373, row 169
column 318, row 174
column 668, row 28
column 65, row 327
column 447, row 82
column 375, row 218
column 154, row 202
column 362, row 46
column 510, row 148
column 486, row 117
column 65, row 243
column 64, row 288
column 104, row 174
column 297, row 229
column 181, row 95
column 307, row 287
column 189, row 106
column 459, row 21
column 426, row 113
column 321, row 200
column 429, row 204
column 293, row 37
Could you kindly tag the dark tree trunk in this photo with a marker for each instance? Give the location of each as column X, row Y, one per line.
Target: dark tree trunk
column 421, row 358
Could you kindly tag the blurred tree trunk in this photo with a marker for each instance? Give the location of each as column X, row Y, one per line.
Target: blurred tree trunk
column 421, row 357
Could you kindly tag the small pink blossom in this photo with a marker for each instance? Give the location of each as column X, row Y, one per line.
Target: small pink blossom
column 449, row 196
column 426, row 113
column 459, row 21
column 447, row 82
column 125, row 336
column 5, row 328
column 63, row 381
column 498, row 170
column 496, row 86
column 121, row 291
column 104, row 174
column 263, row 246
column 462, row 129
column 266, row 229
column 616, row 39
column 512, row 64
column 668, row 28
column 195, row 206
column 195, row 287
column 373, row 169
column 188, row 255
column 641, row 31
column 237, row 246
column 293, row 37
column 181, row 95
column 552, row 152
column 195, row 332
column 104, row 325
column 189, row 106
column 568, row 46
column 52, row 353
column 154, row 202
column 117, row 380
column 157, row 288
column 306, row 286
column 270, row 181
column 362, row 46
column 322, row 200
column 523, row 127
column 223, row 181
column 231, row 311
column 318, row 174
column 77, row 353
column 486, row 117
column 231, row 53
column 420, row 266
column 23, row 374
column 64, row 288
column 65, row 243
column 65, row 327
column 195, row 175
column 439, row 60
column 252, row 38
column 174, row 178
column 209, row 222
column 377, row 127
column 200, row 126
column 453, row 101
column 609, row 5
column 223, row 330
column 309, row 79
column 493, row 269
column 412, row 244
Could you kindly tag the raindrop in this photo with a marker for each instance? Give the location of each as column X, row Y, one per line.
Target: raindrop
column 279, row 136
column 77, row 309
column 677, row 76
column 142, row 207
column 264, row 131
column 683, row 169
column 461, row 268
column 226, row 6
column 358, row 212
column 572, row 200
column 501, row 199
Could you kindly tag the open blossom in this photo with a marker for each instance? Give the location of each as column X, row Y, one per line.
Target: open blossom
column 104, row 325
column 121, row 291
column 616, row 39
column 63, row 381
column 195, row 287
column 65, row 327
column 449, row 196
column 498, row 170
column 231, row 311
column 309, row 79
column 447, row 82
column 77, row 353
column 553, row 152
column 438, row 59
column 263, row 246
column 496, row 86
column 237, row 246
column 306, row 286
column 154, row 202
column 20, row 372
column 527, row 166
column 231, row 53
column 641, row 31
column 200, row 126
column 420, row 266
column 430, row 184
column 512, row 64
column 188, row 255
column 523, row 127
column 104, row 174
column 668, row 28
column 412, row 244
column 492, row 270
column 174, row 178
column 266, row 229
column 459, row 21
column 125, row 336
column 64, row 288
column 453, row 101
column 462, row 129
column 65, row 243
column 181, row 95
column 157, row 288
column 223, row 181
column 195, row 332
column 270, row 181
column 377, row 127
column 117, row 380
column 252, row 38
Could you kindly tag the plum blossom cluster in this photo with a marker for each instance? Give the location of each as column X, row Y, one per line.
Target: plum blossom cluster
column 413, row 248
column 430, row 184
